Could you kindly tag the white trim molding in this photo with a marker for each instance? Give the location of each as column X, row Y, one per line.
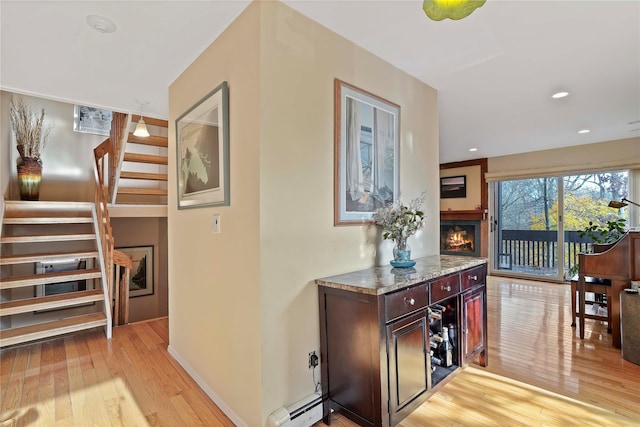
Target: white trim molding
column 205, row 387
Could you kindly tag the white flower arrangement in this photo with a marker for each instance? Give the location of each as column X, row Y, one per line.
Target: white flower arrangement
column 399, row 221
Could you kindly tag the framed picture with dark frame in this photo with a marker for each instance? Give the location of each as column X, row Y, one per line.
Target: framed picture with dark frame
column 366, row 154
column 141, row 280
column 202, row 143
column 453, row 187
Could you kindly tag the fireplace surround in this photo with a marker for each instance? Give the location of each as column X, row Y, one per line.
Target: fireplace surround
column 460, row 237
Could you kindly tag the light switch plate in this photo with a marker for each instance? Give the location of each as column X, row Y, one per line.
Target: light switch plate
column 215, row 227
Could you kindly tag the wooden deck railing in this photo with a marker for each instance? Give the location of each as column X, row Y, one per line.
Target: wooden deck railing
column 539, row 248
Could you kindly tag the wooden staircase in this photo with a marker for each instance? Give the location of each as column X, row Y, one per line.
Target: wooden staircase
column 37, row 301
column 143, row 172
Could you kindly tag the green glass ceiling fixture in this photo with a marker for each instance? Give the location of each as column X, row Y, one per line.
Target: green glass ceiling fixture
column 452, row 9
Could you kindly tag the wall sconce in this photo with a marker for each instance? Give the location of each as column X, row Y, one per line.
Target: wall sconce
column 438, row 10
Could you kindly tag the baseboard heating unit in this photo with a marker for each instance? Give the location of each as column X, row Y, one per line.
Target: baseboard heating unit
column 304, row 413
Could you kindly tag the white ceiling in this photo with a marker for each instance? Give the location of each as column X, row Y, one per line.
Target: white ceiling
column 494, row 71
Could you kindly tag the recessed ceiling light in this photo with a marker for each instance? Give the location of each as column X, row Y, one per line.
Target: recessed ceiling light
column 101, row 24
column 559, row 95
column 584, row 131
column 473, row 149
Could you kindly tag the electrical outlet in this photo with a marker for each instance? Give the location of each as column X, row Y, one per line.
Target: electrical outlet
column 313, row 360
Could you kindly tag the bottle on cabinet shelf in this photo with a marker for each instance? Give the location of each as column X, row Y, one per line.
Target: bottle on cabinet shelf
column 446, row 349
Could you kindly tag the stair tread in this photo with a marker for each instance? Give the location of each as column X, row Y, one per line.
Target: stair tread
column 46, row 256
column 48, row 220
column 46, row 205
column 50, row 301
column 142, row 191
column 48, row 278
column 146, row 158
column 143, row 175
column 50, row 329
column 153, row 140
column 38, row 238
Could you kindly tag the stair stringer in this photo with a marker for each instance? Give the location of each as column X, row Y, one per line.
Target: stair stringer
column 123, row 147
column 103, row 270
column 1, row 218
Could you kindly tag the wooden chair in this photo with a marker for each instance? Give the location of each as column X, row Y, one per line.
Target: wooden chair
column 600, row 287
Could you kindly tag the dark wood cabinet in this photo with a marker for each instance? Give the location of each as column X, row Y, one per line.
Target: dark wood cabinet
column 474, row 325
column 375, row 347
column 409, row 365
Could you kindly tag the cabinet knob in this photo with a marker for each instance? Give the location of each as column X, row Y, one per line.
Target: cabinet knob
column 445, row 288
column 409, row 301
column 473, row 277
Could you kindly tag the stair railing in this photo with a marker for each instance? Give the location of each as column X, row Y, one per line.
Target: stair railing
column 119, row 133
column 109, row 257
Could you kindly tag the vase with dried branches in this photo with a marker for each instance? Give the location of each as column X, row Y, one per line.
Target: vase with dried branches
column 31, row 138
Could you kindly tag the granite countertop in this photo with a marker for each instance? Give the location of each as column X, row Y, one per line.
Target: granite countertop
column 382, row 280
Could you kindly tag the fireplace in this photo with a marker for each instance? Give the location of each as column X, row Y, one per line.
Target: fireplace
column 460, row 237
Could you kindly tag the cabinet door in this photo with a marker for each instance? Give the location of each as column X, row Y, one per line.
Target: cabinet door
column 409, row 364
column 474, row 324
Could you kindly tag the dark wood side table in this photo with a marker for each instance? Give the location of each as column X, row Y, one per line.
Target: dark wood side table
column 630, row 325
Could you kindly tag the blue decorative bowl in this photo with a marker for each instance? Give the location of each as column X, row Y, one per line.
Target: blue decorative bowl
column 403, row 264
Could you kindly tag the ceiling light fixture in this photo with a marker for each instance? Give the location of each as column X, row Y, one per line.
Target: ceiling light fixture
column 141, row 127
column 438, row 10
column 101, row 24
column 473, row 149
column 559, row 95
column 584, row 131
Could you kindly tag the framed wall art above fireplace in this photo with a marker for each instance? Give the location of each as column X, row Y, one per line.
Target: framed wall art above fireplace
column 453, row 187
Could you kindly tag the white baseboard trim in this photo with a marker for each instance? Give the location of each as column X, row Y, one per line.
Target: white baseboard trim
column 205, row 387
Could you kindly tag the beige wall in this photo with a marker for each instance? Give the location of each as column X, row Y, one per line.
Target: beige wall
column 243, row 305
column 129, row 232
column 473, row 199
column 67, row 168
column 5, row 145
column 214, row 279
column 299, row 243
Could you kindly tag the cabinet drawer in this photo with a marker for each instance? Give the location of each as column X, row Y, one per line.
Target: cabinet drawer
column 472, row 277
column 444, row 288
column 406, row 301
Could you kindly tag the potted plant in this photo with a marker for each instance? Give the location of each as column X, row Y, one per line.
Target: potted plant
column 31, row 138
column 601, row 236
column 610, row 233
column 399, row 222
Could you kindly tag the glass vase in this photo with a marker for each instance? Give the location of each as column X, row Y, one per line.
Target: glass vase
column 401, row 252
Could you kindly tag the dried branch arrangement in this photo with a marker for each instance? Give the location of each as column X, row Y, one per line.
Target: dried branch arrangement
column 28, row 126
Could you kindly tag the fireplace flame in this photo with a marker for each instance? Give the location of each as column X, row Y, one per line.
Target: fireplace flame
column 458, row 241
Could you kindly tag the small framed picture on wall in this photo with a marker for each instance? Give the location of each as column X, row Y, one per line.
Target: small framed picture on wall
column 141, row 280
column 453, row 187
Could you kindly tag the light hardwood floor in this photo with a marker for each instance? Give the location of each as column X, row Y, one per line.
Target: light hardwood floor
column 87, row 380
column 539, row 374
